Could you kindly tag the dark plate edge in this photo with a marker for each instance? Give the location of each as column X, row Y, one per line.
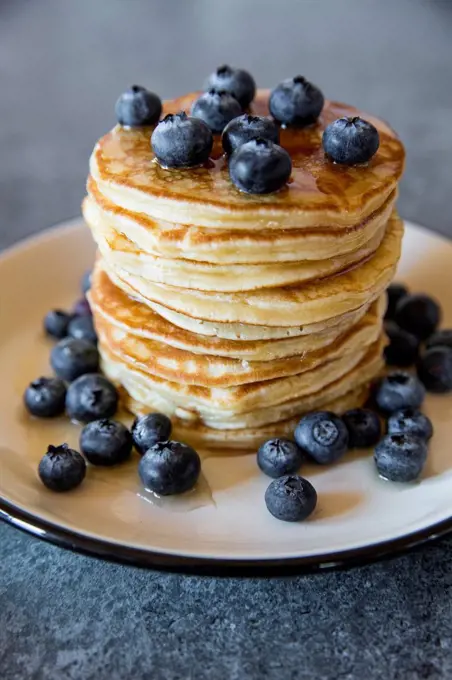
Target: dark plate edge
column 72, row 540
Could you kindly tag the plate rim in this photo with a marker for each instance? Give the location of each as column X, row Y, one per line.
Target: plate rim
column 78, row 542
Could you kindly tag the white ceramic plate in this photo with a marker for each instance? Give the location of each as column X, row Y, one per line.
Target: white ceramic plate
column 225, row 524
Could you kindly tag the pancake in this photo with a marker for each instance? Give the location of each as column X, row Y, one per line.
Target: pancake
column 222, row 246
column 192, row 407
column 248, row 439
column 118, row 310
column 123, row 254
column 235, row 313
column 320, row 192
column 160, row 359
column 224, row 404
column 304, row 304
column 239, row 331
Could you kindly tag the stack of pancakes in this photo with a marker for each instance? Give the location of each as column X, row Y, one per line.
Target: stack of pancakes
column 232, row 313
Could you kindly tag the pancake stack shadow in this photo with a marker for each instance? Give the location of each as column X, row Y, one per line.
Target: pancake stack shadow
column 235, row 314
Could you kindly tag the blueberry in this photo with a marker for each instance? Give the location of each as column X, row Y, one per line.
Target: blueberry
column 442, row 337
column 216, row 109
column 400, row 457
column 149, row 430
column 180, row 141
column 137, row 107
column 395, row 292
column 260, row 167
column 71, row 358
column 410, row 421
column 291, row 498
column 399, row 390
column 81, row 308
column 106, row 442
column 418, row 314
column 349, row 141
column 82, row 328
column 403, row 348
column 237, row 82
column 244, row 128
column 169, row 468
column 91, row 397
column 296, row 101
column 364, row 428
column 434, row 369
column 86, row 281
column 45, row 397
column 56, row 323
column 278, row 457
column 323, row 436
column 62, row 468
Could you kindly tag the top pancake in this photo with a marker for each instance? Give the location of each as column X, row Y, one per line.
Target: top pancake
column 319, row 193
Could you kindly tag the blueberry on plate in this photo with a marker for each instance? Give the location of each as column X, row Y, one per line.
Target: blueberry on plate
column 71, row 358
column 418, row 314
column 399, row 390
column 410, row 421
column 323, row 436
column 260, row 167
column 216, row 109
column 364, row 428
column 56, row 323
column 395, row 292
column 403, row 348
column 82, row 328
column 149, row 430
column 169, row 468
column 62, row 468
column 245, row 128
column 278, row 457
column 81, row 308
column 442, row 338
column 434, row 369
column 137, row 107
column 86, row 281
column 91, row 397
column 350, row 141
column 181, row 141
column 400, row 457
column 45, row 397
column 106, row 442
column 296, row 102
column 236, row 81
column 291, row 498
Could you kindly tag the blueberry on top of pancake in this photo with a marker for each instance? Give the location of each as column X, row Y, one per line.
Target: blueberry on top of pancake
column 296, row 102
column 236, row 81
column 137, row 106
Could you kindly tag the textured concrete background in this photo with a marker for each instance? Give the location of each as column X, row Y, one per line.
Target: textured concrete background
column 62, row 65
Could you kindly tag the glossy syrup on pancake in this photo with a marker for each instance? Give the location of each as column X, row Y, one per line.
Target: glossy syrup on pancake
column 123, row 164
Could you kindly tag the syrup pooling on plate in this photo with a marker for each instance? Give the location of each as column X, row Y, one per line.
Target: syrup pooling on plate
column 105, row 482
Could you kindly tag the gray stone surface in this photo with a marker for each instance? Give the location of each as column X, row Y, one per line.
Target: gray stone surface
column 62, row 64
